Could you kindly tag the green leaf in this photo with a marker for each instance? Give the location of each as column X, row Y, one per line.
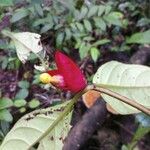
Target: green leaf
column 73, row 27
column 143, row 22
column 62, row 130
column 6, row 3
column 88, row 38
column 39, row 9
column 131, row 81
column 94, row 53
column 140, row 132
column 80, row 26
column 5, row 103
column 20, row 102
column 114, row 18
column 92, row 11
column 23, row 84
column 34, row 103
column 100, row 23
column 22, row 94
column 33, row 126
column 19, row 14
column 101, row 42
column 22, row 110
column 101, row 10
column 140, row 38
column 84, row 49
column 39, row 22
column 59, row 39
column 87, row 25
column 83, row 13
column 68, row 34
column 5, row 127
column 46, row 27
column 5, row 115
column 25, row 43
column 78, row 43
column 4, row 63
column 107, row 9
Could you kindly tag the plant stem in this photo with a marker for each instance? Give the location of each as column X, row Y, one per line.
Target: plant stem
column 67, row 109
column 124, row 99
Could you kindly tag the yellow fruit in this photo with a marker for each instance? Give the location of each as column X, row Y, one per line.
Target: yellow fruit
column 45, row 78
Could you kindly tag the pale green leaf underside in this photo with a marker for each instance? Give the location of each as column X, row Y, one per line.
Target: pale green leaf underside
column 132, row 81
column 29, row 128
column 25, row 42
column 55, row 139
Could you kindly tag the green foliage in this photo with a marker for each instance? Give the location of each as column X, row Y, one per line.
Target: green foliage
column 19, row 14
column 34, row 103
column 22, row 93
column 5, row 103
column 6, row 3
column 5, row 115
column 23, row 84
column 70, row 25
column 20, row 103
column 140, row 132
column 140, row 38
column 4, row 129
column 94, row 53
column 40, row 125
column 9, row 61
column 131, row 81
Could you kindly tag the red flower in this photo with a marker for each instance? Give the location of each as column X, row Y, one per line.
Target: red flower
column 68, row 75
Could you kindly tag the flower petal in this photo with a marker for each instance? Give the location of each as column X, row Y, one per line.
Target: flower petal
column 53, row 72
column 74, row 79
column 56, row 73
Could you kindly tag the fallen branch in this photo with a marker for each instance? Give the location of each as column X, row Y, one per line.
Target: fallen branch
column 84, row 129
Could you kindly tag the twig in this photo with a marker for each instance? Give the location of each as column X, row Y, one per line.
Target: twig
column 124, row 99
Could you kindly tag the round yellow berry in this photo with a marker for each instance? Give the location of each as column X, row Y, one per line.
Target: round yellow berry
column 45, row 78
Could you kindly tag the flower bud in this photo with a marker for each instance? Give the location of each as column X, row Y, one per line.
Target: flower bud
column 45, row 78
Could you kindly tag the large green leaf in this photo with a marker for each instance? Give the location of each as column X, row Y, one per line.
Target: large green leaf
column 30, row 128
column 140, row 38
column 55, row 139
column 132, row 81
